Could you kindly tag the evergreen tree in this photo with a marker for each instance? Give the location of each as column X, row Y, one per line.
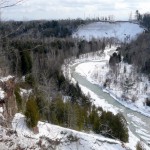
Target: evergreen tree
column 31, row 113
column 18, row 99
column 119, row 128
column 79, row 117
column 59, row 106
column 114, row 126
column 26, row 62
column 29, row 79
column 139, row 146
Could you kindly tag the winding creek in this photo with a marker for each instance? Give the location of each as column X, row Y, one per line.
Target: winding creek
column 138, row 123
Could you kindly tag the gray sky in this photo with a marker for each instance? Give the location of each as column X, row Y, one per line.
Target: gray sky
column 58, row 9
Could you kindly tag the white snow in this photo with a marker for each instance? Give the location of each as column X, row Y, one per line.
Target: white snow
column 1, row 110
column 124, row 31
column 133, row 141
column 25, row 93
column 66, row 98
column 82, row 140
column 2, row 93
column 67, row 139
column 4, row 79
column 137, row 120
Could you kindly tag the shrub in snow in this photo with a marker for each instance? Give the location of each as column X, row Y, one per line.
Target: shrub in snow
column 29, row 79
column 72, row 138
column 114, row 59
column 18, row 99
column 108, row 124
column 31, row 113
column 134, row 98
column 114, row 126
column 107, row 83
column 26, row 62
column 147, row 102
column 139, row 146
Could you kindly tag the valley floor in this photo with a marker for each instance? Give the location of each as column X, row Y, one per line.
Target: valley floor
column 95, row 68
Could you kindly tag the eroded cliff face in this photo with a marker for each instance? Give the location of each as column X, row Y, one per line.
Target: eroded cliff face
column 8, row 105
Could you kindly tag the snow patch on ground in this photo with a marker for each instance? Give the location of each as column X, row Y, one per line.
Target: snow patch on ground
column 4, row 79
column 1, row 110
column 25, row 93
column 2, row 93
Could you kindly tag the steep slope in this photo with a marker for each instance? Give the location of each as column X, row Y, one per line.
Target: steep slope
column 52, row 137
column 49, row 136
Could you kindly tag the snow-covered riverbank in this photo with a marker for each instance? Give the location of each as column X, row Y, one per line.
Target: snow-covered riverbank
column 85, row 66
column 95, row 68
column 96, row 58
column 135, row 98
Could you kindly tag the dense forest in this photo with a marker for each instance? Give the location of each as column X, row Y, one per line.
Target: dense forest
column 143, row 19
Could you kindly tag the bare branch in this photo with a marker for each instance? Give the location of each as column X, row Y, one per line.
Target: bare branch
column 4, row 5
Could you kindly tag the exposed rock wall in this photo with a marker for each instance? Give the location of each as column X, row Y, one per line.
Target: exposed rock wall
column 8, row 103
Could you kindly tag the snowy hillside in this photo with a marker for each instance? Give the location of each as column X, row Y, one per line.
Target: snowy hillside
column 120, row 30
column 52, row 137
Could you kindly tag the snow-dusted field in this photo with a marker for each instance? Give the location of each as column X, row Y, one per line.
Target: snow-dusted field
column 120, row 30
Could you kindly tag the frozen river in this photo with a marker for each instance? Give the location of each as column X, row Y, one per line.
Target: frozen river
column 138, row 123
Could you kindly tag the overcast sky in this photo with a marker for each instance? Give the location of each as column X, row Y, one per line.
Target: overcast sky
column 58, row 9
